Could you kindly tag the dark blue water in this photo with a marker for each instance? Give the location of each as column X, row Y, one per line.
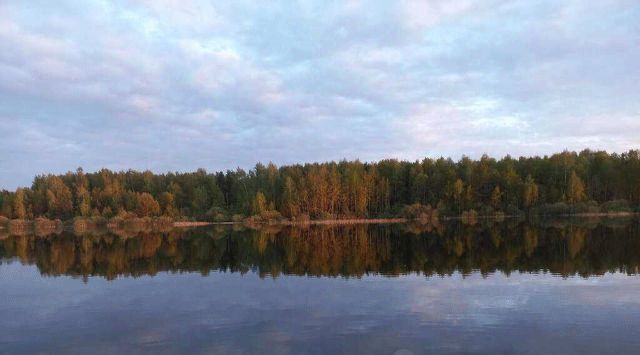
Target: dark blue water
column 459, row 290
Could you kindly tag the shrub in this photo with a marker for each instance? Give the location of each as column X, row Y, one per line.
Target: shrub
column 616, row 206
column 237, row 218
column 4, row 221
column 470, row 217
column 271, row 216
column 486, row 210
column 216, row 214
column 553, row 209
column 162, row 223
column 253, row 220
column 418, row 212
column 81, row 225
column 513, row 210
column 19, row 227
column 326, row 215
column 304, row 218
column 43, row 226
column 585, row 207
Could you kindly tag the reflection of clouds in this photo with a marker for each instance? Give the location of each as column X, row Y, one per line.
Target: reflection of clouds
column 488, row 301
column 224, row 312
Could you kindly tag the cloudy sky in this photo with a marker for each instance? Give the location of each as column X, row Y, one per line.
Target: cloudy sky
column 177, row 85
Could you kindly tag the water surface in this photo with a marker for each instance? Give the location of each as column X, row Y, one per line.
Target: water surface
column 559, row 287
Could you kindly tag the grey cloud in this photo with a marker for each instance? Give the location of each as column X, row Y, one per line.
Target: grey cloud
column 177, row 85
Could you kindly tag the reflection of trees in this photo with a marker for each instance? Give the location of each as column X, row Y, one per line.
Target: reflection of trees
column 338, row 251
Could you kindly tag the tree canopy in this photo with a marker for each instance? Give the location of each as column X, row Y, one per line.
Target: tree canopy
column 336, row 189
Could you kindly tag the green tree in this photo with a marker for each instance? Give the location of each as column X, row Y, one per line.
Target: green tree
column 201, row 202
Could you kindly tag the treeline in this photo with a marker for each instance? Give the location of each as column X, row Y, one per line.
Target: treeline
column 342, row 189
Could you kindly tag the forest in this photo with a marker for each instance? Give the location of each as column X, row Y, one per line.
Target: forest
column 586, row 181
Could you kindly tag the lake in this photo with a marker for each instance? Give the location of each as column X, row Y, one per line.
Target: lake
column 549, row 287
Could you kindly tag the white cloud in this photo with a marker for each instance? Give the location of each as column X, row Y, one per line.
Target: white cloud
column 227, row 84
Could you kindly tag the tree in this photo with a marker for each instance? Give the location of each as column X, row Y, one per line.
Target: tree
column 83, row 201
column 147, row 205
column 575, row 189
column 201, row 202
column 167, row 204
column 290, row 205
column 19, row 209
column 59, row 198
column 6, row 206
column 496, row 198
column 458, row 189
column 529, row 192
column 339, row 189
column 259, row 204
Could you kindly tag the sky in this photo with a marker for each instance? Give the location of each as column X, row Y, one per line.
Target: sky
column 177, row 85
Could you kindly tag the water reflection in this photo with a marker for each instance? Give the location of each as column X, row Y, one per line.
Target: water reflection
column 564, row 248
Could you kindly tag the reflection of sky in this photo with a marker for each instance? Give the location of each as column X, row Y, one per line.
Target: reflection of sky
column 233, row 312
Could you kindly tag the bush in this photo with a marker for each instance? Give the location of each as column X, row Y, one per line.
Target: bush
column 557, row 208
column 486, row 210
column 81, row 225
column 271, row 216
column 43, row 226
column 585, row 207
column 303, row 218
column 418, row 212
column 237, row 218
column 470, row 217
column 253, row 220
column 19, row 227
column 561, row 208
column 162, row 223
column 513, row 210
column 326, row 216
column 216, row 214
column 616, row 206
column 4, row 221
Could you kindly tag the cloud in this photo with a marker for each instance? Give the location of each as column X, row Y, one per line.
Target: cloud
column 177, row 85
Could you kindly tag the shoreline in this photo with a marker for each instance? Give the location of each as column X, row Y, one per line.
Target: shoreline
column 341, row 221
column 601, row 214
column 396, row 220
column 187, row 224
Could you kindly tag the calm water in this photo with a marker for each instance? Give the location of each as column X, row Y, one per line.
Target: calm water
column 509, row 288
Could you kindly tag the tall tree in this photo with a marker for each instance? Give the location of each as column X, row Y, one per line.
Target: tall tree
column 259, row 204
column 529, row 192
column 496, row 198
column 147, row 205
column 19, row 208
column 575, row 189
